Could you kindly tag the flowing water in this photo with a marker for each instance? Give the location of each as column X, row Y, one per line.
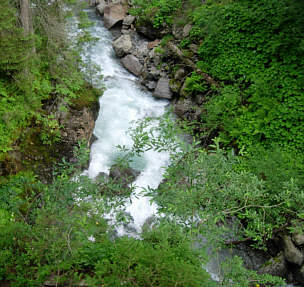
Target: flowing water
column 123, row 102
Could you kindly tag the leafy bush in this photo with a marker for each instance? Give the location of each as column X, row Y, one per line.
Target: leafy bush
column 255, row 49
column 159, row 12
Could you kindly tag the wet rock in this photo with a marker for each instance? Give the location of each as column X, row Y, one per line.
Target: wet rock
column 151, row 85
column 102, row 178
column 186, row 30
column 122, row 45
column 291, row 252
column 123, row 175
column 298, row 239
column 101, row 6
column 276, row 266
column 162, row 89
column 114, row 13
column 132, row 64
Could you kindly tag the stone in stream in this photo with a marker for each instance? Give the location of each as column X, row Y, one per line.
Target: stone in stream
column 128, row 20
column 132, row 64
column 114, row 13
column 101, row 6
column 162, row 89
column 122, row 45
column 123, row 175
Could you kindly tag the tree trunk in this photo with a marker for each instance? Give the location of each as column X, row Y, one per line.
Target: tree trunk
column 25, row 16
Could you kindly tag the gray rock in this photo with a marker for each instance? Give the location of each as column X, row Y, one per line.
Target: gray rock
column 179, row 74
column 142, row 51
column 177, row 31
column 151, row 85
column 101, row 6
column 275, row 266
column 291, row 252
column 132, row 64
column 186, row 30
column 162, row 89
column 298, row 239
column 114, row 13
column 148, row 31
column 123, row 175
column 128, row 20
column 154, row 73
column 122, row 45
column 175, row 86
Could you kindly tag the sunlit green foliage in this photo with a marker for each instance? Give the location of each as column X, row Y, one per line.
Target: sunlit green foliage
column 36, row 69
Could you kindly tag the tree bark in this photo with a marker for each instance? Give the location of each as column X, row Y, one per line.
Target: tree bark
column 25, row 16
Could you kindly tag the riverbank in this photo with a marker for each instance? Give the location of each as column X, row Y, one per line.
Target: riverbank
column 163, row 67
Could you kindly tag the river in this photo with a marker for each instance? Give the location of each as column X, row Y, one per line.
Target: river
column 123, row 102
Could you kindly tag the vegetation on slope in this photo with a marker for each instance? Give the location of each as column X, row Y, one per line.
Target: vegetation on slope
column 37, row 72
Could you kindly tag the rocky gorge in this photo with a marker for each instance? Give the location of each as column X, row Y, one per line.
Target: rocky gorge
column 153, row 55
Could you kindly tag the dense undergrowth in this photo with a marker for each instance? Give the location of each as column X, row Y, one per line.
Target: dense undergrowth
column 252, row 108
column 254, row 50
column 37, row 72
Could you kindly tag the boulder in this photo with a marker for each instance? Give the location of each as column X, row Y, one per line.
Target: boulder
column 123, row 175
column 179, row 74
column 162, row 89
column 154, row 73
column 114, row 13
column 276, row 266
column 298, row 239
column 132, row 64
column 128, row 20
column 186, row 30
column 291, row 252
column 122, row 45
column 101, row 6
column 187, row 110
column 147, row 30
column 151, row 85
column 142, row 51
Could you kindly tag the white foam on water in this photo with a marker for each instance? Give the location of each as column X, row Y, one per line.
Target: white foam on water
column 122, row 103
